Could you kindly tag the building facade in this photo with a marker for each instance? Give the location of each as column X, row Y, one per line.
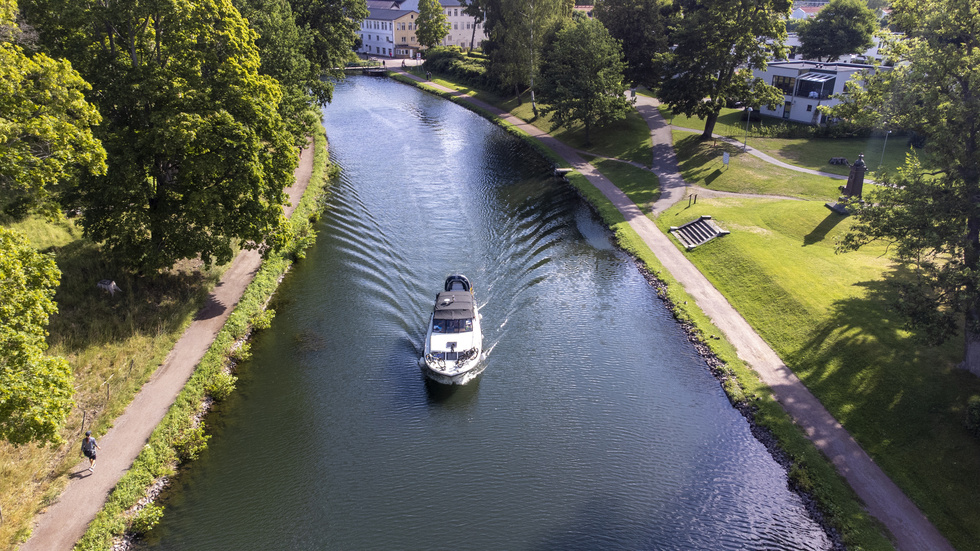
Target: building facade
column 388, row 33
column 464, row 31
column 807, row 85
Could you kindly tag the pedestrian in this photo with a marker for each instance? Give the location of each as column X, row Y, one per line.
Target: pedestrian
column 89, row 446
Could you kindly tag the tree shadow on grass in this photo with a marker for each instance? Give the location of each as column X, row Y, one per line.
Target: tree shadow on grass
column 819, row 233
column 697, row 160
column 89, row 316
column 901, row 399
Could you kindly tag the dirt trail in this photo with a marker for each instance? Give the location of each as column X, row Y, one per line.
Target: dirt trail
column 910, row 529
column 64, row 522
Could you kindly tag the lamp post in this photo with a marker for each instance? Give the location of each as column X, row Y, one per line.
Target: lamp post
column 748, row 117
column 882, row 161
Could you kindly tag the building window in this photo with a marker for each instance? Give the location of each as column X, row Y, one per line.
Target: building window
column 404, row 39
column 786, row 84
column 455, row 26
column 809, row 108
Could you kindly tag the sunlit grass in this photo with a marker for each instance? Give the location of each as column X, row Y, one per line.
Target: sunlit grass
column 827, row 316
column 702, row 163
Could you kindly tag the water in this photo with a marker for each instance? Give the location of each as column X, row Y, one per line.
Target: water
column 595, row 425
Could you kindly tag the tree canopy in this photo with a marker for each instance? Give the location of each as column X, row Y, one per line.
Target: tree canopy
column 715, row 40
column 842, row 27
column 198, row 154
column 45, row 124
column 641, row 27
column 518, row 30
column 35, row 389
column 582, row 76
column 431, row 26
column 329, row 29
column 930, row 209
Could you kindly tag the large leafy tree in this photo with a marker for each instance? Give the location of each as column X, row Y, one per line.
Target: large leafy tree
column 930, row 210
column 330, row 34
column 518, row 31
column 432, row 25
column 198, row 155
column 582, row 76
column 641, row 27
column 35, row 389
column 45, row 124
column 842, row 27
column 715, row 43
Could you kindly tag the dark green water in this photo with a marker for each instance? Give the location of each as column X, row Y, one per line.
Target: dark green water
column 595, row 425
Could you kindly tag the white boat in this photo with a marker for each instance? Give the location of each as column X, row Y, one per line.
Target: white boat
column 454, row 342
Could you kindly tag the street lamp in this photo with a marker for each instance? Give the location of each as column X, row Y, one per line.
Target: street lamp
column 748, row 116
column 882, row 161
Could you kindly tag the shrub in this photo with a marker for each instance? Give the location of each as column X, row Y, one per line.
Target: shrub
column 146, row 519
column 221, row 386
column 973, row 415
column 191, row 443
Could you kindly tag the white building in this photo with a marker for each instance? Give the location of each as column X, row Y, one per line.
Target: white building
column 461, row 26
column 385, row 33
column 807, row 85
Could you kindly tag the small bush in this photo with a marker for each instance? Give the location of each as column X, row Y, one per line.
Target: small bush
column 242, row 354
column 146, row 519
column 221, row 386
column 973, row 415
column 191, row 443
column 263, row 320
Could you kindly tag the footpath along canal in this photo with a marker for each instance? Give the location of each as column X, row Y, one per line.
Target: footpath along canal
column 594, row 425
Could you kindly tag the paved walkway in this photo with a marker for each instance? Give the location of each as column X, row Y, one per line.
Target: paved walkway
column 909, row 528
column 64, row 523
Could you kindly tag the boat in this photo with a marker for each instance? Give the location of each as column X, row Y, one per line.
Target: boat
column 454, row 342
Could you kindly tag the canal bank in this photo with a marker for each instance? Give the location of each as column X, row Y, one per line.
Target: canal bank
column 158, row 427
column 594, row 425
column 881, row 497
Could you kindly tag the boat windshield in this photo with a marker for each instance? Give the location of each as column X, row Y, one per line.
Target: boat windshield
column 452, row 326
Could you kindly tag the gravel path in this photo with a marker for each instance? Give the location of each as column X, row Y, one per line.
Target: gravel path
column 64, row 522
column 910, row 529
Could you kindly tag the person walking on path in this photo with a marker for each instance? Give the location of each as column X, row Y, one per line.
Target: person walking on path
column 89, row 445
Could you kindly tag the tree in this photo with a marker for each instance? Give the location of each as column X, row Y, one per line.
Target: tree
column 329, row 30
column 431, row 26
column 841, row 27
column 198, row 155
column 930, row 210
column 283, row 45
column 518, row 31
column 35, row 389
column 582, row 76
column 641, row 27
column 476, row 10
column 715, row 43
column 46, row 124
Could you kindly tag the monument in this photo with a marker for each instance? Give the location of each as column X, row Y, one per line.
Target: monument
column 853, row 189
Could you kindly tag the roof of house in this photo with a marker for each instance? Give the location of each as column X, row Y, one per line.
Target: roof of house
column 387, row 15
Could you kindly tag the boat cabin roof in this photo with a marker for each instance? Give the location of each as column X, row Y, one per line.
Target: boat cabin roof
column 454, row 305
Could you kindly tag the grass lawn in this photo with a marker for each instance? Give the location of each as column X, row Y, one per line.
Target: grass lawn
column 806, row 153
column 701, row 163
column 113, row 345
column 641, row 186
column 826, row 316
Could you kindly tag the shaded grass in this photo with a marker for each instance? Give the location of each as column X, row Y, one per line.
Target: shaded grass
column 701, row 163
column 806, row 153
column 641, row 186
column 826, row 315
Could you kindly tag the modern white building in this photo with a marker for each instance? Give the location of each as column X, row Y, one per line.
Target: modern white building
column 808, row 85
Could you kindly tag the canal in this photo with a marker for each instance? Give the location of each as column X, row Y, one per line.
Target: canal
column 595, row 424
